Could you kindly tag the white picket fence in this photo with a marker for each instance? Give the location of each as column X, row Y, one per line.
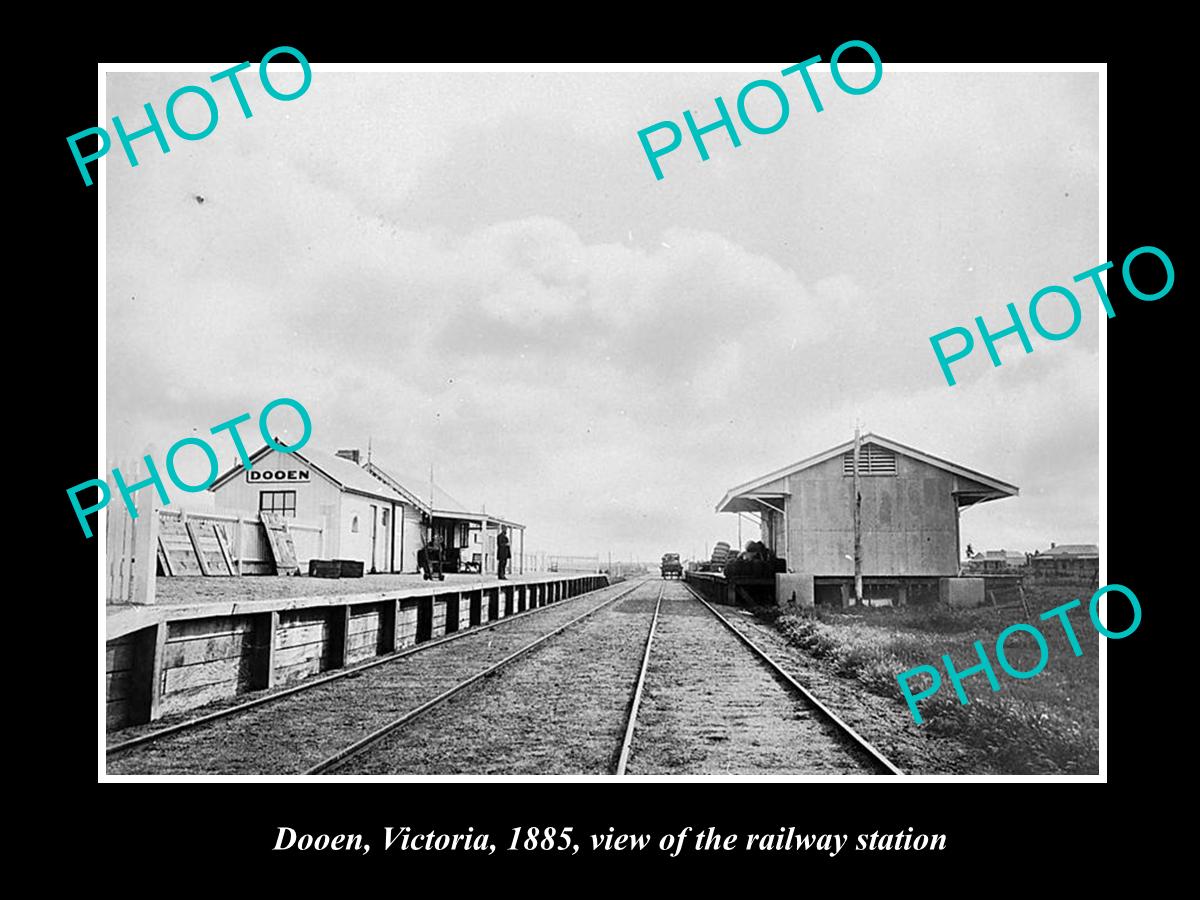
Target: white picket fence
column 556, row 563
column 132, row 543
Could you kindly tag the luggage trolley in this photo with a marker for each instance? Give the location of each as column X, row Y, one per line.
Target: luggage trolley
column 431, row 561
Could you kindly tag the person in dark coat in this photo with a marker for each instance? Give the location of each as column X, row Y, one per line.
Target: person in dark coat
column 502, row 551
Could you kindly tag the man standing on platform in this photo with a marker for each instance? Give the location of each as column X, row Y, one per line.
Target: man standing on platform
column 502, row 551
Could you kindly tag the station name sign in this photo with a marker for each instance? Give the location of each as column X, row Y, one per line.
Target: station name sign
column 256, row 476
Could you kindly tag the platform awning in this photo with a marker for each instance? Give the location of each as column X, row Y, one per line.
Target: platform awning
column 475, row 517
column 753, row 502
column 972, row 494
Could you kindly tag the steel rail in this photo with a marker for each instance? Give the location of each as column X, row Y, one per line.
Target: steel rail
column 627, row 743
column 310, row 683
column 833, row 717
column 358, row 747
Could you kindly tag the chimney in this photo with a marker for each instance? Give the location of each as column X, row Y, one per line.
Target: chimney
column 1052, row 545
column 352, row 455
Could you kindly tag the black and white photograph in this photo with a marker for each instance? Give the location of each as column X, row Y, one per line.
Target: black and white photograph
column 604, row 421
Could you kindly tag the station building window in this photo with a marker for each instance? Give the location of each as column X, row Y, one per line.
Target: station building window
column 354, row 525
column 282, row 502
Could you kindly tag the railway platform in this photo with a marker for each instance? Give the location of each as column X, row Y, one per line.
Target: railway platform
column 741, row 590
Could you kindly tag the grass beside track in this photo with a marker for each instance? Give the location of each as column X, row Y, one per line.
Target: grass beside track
column 1048, row 724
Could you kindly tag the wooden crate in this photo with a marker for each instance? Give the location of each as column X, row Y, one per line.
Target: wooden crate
column 324, row 568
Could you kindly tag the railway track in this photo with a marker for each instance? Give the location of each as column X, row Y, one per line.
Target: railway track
column 718, row 703
column 286, row 731
column 559, row 711
column 340, row 759
column 564, row 709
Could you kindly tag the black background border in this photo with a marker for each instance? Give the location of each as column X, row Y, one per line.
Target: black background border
column 147, row 826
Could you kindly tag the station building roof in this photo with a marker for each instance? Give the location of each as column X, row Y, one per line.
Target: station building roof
column 372, row 480
column 423, row 491
column 342, row 472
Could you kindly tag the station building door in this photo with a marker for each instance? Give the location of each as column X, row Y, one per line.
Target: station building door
column 374, row 538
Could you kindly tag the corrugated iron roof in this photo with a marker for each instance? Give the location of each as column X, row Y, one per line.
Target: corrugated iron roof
column 375, row 481
column 996, row 487
column 427, row 493
column 1071, row 550
column 341, row 472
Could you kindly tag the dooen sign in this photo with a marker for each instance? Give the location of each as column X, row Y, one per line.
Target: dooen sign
column 255, row 476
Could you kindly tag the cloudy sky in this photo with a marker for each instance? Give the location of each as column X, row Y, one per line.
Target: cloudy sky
column 480, row 271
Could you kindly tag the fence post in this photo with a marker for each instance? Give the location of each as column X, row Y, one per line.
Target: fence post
column 145, row 544
column 118, row 551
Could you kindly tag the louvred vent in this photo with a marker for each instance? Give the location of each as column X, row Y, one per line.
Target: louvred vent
column 872, row 460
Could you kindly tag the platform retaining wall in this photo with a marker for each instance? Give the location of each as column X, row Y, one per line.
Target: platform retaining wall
column 180, row 664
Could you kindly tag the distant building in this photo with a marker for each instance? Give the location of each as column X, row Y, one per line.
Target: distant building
column 994, row 562
column 910, row 508
column 1067, row 561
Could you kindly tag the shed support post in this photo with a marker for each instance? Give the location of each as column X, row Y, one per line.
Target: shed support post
column 339, row 635
column 156, row 667
column 266, row 626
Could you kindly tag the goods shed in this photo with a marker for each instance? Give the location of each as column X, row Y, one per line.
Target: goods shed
column 908, row 519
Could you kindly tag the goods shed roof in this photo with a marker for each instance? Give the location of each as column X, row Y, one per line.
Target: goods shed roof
column 755, row 495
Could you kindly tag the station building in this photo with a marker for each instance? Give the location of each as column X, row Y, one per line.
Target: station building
column 911, row 502
column 367, row 513
column 364, row 518
column 468, row 537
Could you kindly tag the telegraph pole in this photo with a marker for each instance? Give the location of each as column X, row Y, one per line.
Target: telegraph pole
column 858, row 590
